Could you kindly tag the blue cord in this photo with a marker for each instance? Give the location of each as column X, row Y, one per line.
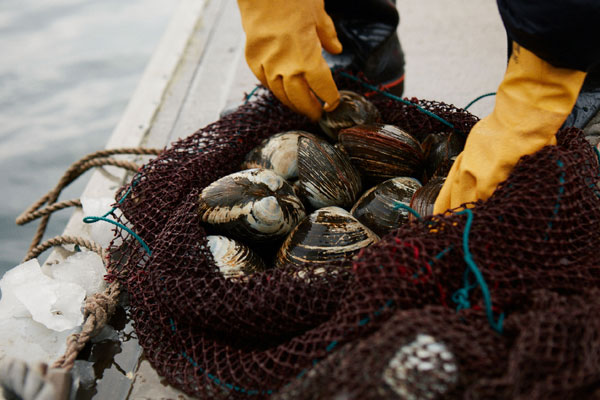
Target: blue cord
column 398, row 205
column 462, row 294
column 393, row 97
column 479, row 98
column 92, row 219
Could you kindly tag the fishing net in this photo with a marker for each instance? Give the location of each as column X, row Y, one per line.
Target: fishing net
column 499, row 301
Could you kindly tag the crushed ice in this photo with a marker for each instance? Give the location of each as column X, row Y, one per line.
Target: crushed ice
column 40, row 307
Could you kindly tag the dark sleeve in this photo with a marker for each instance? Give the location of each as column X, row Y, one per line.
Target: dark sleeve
column 566, row 33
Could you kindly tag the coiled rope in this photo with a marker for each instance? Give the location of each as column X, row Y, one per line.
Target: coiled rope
column 99, row 307
column 96, row 159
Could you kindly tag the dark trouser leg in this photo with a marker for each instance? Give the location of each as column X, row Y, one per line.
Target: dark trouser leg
column 367, row 31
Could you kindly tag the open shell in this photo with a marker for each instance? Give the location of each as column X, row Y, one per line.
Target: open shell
column 327, row 235
column 325, row 175
column 378, row 208
column 382, row 152
column 254, row 205
column 278, row 153
column 234, row 259
column 353, row 109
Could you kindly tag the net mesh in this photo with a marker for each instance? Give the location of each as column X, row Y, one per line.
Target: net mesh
column 406, row 317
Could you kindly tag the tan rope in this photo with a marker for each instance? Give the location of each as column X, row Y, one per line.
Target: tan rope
column 65, row 239
column 96, row 159
column 98, row 310
column 25, row 218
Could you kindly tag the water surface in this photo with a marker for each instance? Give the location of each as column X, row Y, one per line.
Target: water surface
column 68, row 69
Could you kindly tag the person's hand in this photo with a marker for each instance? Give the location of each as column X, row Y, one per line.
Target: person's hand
column 532, row 102
column 283, row 50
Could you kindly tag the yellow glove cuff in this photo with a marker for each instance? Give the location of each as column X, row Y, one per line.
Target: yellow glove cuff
column 532, row 103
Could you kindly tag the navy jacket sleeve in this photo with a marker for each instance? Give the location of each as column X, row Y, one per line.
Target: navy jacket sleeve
column 566, row 33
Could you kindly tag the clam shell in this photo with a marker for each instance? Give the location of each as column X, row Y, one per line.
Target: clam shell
column 278, row 153
column 382, row 152
column 325, row 175
column 255, row 205
column 424, row 199
column 378, row 207
column 354, row 109
column 234, row 259
column 439, row 148
column 327, row 235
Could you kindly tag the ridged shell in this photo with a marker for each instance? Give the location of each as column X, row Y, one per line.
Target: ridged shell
column 278, row 153
column 439, row 148
column 255, row 205
column 234, row 259
column 325, row 175
column 382, row 152
column 354, row 109
column 424, row 199
column 378, row 207
column 327, row 235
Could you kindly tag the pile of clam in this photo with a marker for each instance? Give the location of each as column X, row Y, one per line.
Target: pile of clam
column 303, row 197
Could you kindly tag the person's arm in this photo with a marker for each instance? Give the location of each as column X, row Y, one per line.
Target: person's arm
column 283, row 49
column 532, row 103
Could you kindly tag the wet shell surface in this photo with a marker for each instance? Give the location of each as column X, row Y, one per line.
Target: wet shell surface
column 326, row 177
column 278, row 153
column 439, row 148
column 234, row 259
column 382, row 152
column 424, row 199
column 254, row 205
column 327, row 235
column 379, row 209
column 354, row 109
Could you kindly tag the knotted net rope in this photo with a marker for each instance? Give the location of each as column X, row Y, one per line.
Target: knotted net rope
column 385, row 323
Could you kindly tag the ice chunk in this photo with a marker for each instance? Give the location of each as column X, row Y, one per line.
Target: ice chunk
column 29, row 296
column 56, row 304
column 10, row 305
column 30, row 341
column 84, row 268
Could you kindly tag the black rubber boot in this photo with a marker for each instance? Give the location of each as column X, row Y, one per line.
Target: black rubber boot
column 367, row 31
column 588, row 102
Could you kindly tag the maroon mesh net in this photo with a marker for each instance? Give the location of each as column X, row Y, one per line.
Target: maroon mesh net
column 407, row 317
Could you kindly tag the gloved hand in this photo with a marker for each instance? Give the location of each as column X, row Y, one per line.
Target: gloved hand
column 283, row 50
column 532, row 102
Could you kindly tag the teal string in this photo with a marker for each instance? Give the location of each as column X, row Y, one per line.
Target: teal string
column 479, row 98
column 92, row 219
column 398, row 205
column 393, row 97
column 251, row 94
column 462, row 294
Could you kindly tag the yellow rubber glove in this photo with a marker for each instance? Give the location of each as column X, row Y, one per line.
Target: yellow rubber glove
column 532, row 102
column 283, row 50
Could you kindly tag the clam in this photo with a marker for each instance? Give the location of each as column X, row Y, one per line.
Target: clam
column 278, row 153
column 382, row 152
column 254, row 205
column 327, row 235
column 234, row 259
column 378, row 208
column 353, row 109
column 440, row 147
column 325, row 175
column 424, row 199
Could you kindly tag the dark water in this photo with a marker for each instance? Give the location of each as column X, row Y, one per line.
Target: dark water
column 67, row 70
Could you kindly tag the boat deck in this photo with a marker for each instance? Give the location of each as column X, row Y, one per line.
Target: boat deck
column 455, row 52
